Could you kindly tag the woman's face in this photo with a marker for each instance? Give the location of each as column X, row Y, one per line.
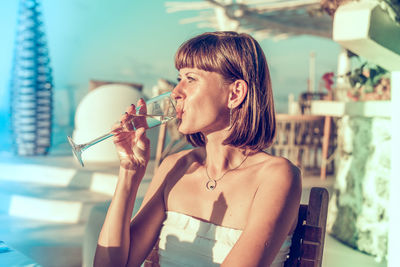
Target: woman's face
column 202, row 101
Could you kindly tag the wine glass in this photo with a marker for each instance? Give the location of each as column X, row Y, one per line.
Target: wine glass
column 160, row 109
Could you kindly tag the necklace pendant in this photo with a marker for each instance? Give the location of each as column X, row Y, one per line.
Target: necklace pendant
column 211, row 184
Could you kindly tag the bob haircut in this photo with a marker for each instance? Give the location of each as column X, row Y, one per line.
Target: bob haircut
column 236, row 57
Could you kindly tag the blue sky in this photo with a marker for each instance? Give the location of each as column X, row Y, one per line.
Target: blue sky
column 135, row 41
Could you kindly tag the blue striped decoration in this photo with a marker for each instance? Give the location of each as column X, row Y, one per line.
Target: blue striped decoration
column 31, row 84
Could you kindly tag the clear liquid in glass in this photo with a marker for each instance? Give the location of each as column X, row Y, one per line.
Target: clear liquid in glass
column 160, row 109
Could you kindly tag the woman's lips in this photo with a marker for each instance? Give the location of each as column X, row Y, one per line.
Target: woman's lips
column 179, row 112
column 179, row 115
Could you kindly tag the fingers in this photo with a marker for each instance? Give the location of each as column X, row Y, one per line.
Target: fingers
column 130, row 119
column 120, row 133
column 142, row 144
column 140, row 121
column 141, row 138
column 126, row 121
column 142, row 106
column 116, row 128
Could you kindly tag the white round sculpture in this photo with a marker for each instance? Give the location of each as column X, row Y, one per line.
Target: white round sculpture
column 96, row 113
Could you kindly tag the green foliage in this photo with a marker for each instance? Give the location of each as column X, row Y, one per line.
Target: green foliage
column 360, row 77
column 367, row 75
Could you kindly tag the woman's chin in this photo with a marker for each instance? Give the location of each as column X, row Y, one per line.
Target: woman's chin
column 185, row 130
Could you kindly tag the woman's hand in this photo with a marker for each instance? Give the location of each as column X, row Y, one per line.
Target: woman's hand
column 132, row 145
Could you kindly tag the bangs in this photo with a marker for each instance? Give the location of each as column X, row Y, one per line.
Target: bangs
column 200, row 53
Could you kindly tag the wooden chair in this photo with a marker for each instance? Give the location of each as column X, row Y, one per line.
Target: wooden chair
column 308, row 239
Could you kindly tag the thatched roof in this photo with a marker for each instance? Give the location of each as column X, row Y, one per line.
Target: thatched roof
column 263, row 18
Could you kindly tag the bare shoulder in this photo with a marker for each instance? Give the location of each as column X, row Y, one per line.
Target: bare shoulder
column 282, row 167
column 278, row 171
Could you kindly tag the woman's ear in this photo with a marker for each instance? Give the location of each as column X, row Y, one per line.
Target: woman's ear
column 238, row 93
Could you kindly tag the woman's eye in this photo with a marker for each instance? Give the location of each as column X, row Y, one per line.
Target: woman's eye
column 187, row 78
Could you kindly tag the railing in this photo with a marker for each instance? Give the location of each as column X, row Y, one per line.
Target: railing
column 306, row 140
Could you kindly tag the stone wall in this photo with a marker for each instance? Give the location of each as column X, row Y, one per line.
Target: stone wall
column 358, row 210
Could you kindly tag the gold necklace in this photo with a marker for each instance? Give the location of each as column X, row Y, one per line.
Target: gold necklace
column 212, row 183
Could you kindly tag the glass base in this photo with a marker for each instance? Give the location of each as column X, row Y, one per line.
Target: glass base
column 76, row 150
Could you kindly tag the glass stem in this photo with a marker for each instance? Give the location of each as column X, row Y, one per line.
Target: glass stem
column 97, row 140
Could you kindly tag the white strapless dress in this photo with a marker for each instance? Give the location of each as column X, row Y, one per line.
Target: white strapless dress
column 187, row 241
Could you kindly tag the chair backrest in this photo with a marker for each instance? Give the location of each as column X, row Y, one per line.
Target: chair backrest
column 152, row 258
column 308, row 239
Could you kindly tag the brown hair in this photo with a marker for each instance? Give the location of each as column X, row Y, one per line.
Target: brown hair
column 236, row 57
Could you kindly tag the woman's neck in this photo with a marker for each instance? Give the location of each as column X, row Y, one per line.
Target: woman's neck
column 220, row 158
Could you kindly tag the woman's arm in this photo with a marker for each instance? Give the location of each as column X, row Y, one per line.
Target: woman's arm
column 146, row 225
column 133, row 149
column 272, row 216
column 114, row 239
column 125, row 242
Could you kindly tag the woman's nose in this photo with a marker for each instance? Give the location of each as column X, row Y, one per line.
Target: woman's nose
column 177, row 92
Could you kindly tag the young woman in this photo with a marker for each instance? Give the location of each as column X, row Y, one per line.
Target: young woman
column 224, row 202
